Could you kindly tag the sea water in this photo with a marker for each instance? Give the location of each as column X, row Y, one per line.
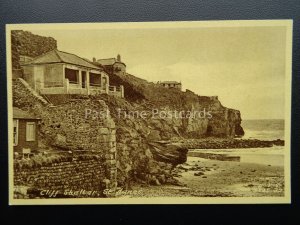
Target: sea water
column 261, row 130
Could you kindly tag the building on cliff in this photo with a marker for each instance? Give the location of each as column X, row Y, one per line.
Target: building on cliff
column 171, row 84
column 25, row 132
column 58, row 72
column 112, row 65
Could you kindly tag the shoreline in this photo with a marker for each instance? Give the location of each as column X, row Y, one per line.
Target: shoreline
column 216, row 167
column 200, row 177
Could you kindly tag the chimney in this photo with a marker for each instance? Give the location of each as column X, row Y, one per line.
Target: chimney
column 119, row 58
column 94, row 59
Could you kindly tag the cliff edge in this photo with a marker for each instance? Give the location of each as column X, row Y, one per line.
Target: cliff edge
column 197, row 116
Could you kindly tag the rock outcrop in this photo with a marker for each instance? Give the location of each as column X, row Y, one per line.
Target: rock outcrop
column 229, row 143
column 169, row 153
column 210, row 118
column 28, row 44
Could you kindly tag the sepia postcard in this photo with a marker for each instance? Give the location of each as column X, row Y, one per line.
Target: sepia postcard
column 149, row 112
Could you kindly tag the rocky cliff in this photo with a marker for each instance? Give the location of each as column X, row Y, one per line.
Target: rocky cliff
column 192, row 115
column 144, row 141
column 146, row 129
column 28, row 44
column 147, row 96
column 146, row 122
column 72, row 124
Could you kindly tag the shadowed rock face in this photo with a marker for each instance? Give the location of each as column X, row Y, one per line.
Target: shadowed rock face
column 169, row 153
column 239, row 131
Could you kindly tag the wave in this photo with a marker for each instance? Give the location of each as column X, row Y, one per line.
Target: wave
column 263, row 129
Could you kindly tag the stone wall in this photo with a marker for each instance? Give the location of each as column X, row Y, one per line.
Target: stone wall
column 138, row 159
column 75, row 125
column 75, row 177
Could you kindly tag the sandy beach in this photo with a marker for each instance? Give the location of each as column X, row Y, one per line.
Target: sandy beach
column 213, row 178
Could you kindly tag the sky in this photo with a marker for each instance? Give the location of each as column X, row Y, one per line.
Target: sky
column 244, row 66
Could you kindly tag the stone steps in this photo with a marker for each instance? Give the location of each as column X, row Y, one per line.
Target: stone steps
column 34, row 93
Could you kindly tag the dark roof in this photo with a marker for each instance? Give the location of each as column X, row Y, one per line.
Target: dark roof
column 109, row 61
column 20, row 114
column 56, row 56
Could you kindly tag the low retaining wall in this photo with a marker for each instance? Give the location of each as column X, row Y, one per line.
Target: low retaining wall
column 73, row 177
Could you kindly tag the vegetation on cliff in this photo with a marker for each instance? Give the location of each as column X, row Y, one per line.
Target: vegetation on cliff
column 28, row 44
column 214, row 119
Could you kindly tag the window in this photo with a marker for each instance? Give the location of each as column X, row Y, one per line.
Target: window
column 15, row 131
column 117, row 69
column 30, row 131
column 72, row 75
column 95, row 79
column 83, row 79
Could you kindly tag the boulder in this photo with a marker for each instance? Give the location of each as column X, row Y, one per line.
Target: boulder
column 168, row 153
